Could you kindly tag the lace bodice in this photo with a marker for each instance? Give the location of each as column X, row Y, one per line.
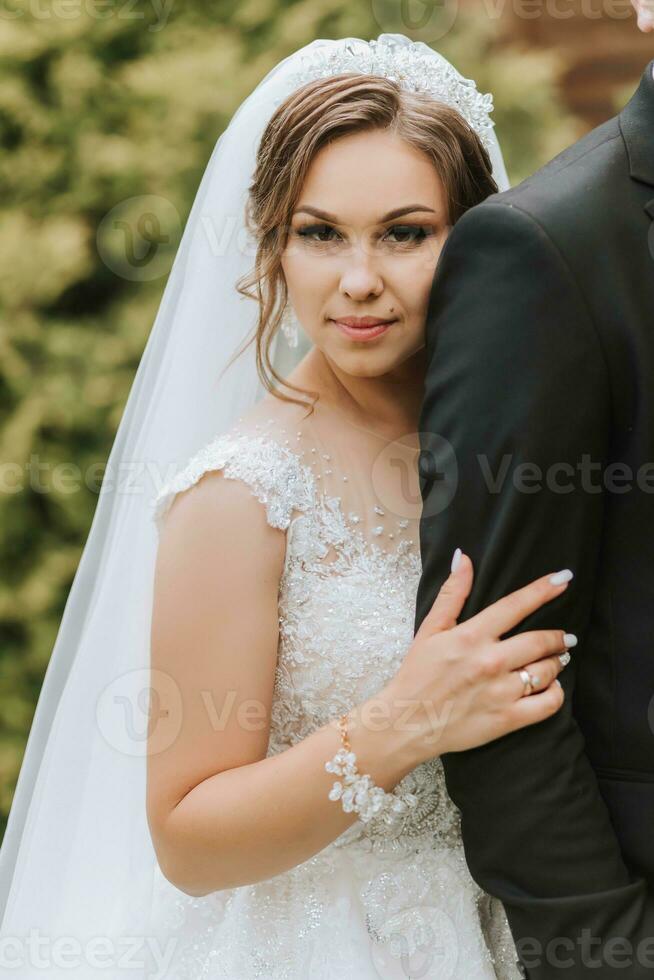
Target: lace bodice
column 346, row 612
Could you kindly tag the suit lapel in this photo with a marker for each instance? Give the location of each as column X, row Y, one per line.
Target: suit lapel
column 637, row 127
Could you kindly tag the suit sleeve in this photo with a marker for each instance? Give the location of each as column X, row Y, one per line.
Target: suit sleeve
column 516, row 413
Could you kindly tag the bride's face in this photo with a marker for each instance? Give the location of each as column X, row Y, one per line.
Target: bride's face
column 349, row 255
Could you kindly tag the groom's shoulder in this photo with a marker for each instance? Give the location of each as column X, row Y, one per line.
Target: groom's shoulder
column 575, row 182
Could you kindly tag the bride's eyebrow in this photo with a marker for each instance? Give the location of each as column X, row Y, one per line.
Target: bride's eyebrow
column 396, row 213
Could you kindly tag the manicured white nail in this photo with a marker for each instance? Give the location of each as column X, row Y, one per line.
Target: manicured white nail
column 560, row 578
column 558, row 682
column 570, row 639
column 645, row 21
column 564, row 658
column 456, row 559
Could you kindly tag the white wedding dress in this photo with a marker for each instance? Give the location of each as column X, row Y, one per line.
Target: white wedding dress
column 375, row 903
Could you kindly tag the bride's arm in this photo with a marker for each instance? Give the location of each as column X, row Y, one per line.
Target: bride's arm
column 220, row 813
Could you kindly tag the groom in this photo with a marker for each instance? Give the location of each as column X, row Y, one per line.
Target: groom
column 537, row 454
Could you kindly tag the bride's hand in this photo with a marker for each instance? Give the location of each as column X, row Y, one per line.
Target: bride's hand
column 459, row 686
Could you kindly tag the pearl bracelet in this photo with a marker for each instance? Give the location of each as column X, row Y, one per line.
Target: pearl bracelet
column 360, row 794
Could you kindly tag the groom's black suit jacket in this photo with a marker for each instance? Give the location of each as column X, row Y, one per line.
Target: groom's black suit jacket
column 540, row 346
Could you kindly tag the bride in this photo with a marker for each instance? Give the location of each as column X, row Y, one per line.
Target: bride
column 234, row 767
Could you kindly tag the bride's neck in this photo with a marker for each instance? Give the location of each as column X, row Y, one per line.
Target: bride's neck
column 389, row 404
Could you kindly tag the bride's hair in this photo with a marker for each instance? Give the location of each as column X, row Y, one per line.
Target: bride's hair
column 314, row 115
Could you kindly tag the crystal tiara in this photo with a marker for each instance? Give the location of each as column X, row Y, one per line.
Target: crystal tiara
column 412, row 64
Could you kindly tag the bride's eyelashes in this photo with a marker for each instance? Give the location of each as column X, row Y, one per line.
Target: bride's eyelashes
column 417, row 234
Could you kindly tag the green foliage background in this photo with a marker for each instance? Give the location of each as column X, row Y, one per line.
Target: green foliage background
column 95, row 110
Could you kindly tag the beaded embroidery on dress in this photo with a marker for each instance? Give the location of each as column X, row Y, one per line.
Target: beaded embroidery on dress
column 380, row 901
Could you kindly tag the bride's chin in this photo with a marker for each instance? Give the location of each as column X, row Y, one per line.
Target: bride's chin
column 367, row 364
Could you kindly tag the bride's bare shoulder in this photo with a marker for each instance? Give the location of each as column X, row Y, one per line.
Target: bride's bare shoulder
column 253, row 454
column 273, row 414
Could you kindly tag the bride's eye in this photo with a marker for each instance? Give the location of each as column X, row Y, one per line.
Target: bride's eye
column 404, row 234
column 309, row 231
column 416, row 233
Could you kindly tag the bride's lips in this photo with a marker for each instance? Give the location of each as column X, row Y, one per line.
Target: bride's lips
column 363, row 327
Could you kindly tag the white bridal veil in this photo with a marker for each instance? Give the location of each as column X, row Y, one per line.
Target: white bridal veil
column 76, row 865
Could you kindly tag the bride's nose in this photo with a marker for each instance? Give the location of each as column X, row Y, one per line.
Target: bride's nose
column 360, row 279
